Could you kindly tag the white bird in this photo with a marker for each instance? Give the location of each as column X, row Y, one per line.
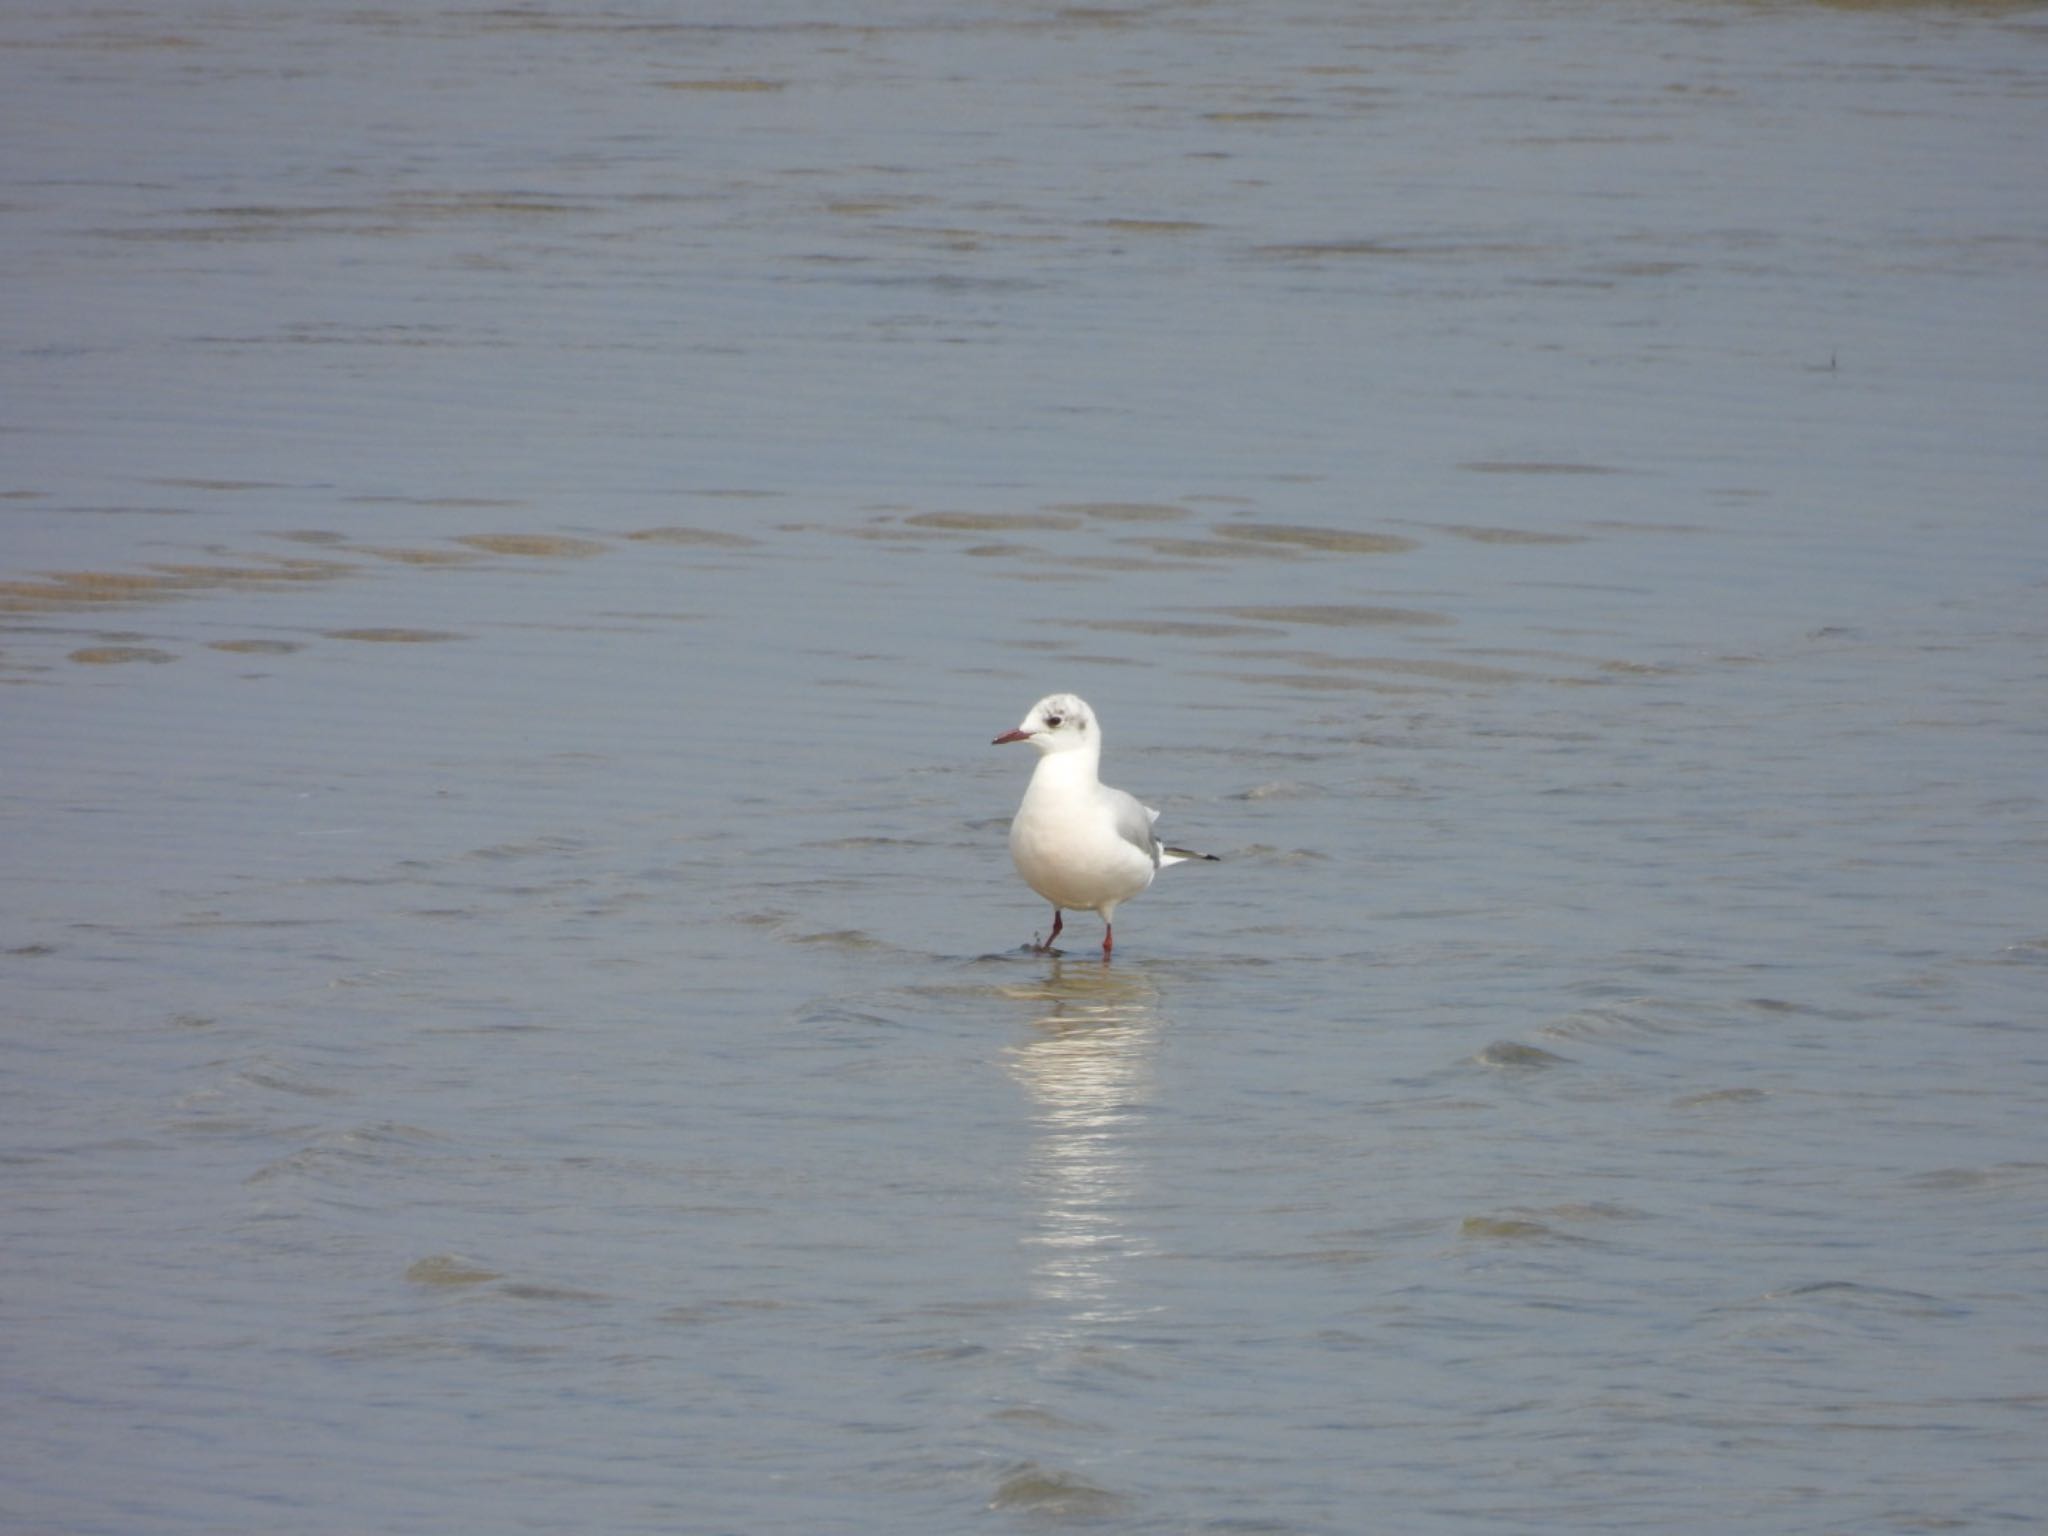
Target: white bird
column 1080, row 844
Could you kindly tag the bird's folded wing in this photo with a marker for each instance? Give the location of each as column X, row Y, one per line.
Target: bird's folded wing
column 1134, row 823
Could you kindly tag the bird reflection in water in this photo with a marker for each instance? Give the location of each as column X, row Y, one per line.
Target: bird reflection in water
column 1088, row 1069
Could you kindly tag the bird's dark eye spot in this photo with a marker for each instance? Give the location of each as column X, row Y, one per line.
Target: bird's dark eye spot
column 1052, row 721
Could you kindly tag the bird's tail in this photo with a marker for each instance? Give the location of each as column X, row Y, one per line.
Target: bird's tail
column 1182, row 855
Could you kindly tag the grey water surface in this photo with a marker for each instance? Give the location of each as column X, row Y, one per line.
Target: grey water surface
column 520, row 523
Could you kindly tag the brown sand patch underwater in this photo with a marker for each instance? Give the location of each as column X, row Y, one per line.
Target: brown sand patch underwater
column 534, row 546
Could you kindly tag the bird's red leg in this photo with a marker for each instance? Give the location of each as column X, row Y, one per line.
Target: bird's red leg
column 1107, row 933
column 1055, row 929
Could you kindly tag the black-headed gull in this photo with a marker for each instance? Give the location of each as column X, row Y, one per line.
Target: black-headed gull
column 1078, row 843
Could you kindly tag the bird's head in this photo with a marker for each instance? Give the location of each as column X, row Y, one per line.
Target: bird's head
column 1059, row 722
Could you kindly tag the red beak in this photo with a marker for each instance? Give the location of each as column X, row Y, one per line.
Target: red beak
column 1011, row 736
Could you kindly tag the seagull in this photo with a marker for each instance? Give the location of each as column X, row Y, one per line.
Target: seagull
column 1078, row 843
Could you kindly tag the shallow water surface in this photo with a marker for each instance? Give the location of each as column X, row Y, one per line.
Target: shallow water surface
column 520, row 524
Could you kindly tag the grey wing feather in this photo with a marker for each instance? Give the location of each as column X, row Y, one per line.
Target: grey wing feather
column 1134, row 823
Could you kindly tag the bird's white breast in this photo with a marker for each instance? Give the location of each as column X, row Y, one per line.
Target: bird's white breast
column 1065, row 844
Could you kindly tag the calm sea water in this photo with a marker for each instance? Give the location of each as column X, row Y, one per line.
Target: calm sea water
column 520, row 523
